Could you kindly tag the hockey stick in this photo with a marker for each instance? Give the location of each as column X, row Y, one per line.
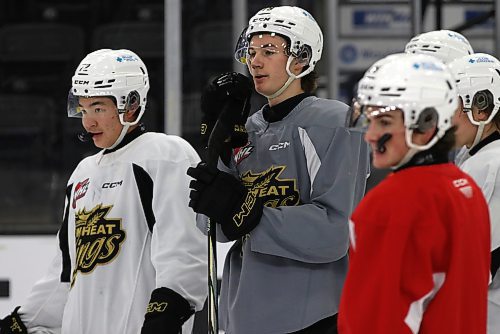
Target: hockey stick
column 215, row 147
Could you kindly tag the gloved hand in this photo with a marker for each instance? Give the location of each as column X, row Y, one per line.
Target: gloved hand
column 166, row 313
column 223, row 198
column 12, row 324
column 227, row 99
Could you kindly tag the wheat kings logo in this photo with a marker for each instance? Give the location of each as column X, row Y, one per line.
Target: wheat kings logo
column 97, row 239
column 273, row 190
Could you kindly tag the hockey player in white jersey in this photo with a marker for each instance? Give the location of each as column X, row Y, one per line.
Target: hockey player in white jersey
column 478, row 129
column 299, row 176
column 129, row 258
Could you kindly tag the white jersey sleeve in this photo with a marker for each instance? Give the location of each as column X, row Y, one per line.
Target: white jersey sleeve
column 178, row 249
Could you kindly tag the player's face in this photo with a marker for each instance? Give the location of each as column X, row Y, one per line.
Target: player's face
column 100, row 118
column 266, row 61
column 389, row 122
column 466, row 131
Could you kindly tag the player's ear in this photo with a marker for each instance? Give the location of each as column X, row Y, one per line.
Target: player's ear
column 301, row 62
column 132, row 106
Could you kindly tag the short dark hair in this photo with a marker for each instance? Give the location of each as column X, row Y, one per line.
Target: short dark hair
column 446, row 143
column 496, row 120
column 309, row 83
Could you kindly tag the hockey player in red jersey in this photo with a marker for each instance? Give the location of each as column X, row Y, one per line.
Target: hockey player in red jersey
column 420, row 240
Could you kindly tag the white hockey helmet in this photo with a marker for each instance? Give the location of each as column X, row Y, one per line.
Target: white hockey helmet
column 294, row 23
column 446, row 45
column 117, row 73
column 478, row 82
column 420, row 85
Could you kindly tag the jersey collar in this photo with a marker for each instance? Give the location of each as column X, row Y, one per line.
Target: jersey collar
column 494, row 136
column 281, row 110
column 128, row 138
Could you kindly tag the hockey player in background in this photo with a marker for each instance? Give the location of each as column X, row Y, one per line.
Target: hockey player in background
column 298, row 177
column 446, row 45
column 420, row 239
column 478, row 129
column 129, row 255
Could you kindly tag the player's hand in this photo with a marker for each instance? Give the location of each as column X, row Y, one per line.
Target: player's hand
column 227, row 99
column 223, row 198
column 12, row 324
column 166, row 313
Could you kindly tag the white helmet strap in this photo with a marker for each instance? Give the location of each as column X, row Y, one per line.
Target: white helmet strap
column 481, row 124
column 126, row 126
column 411, row 152
column 414, row 148
column 290, row 79
column 479, row 133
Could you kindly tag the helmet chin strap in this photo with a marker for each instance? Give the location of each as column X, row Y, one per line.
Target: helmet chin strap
column 479, row 134
column 126, row 126
column 411, row 152
column 282, row 89
column 480, row 125
column 290, row 79
column 414, row 148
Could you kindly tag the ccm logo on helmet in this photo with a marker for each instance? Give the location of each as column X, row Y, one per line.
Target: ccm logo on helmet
column 261, row 19
column 81, row 82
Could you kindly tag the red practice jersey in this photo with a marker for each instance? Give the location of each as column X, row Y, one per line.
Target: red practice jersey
column 419, row 257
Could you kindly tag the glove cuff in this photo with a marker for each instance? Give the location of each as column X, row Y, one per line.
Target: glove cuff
column 246, row 217
column 13, row 324
column 169, row 305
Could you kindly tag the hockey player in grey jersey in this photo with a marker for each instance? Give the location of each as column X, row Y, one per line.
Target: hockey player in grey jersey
column 298, row 178
column 129, row 258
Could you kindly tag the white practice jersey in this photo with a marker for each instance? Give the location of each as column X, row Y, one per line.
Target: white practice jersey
column 127, row 230
column 484, row 167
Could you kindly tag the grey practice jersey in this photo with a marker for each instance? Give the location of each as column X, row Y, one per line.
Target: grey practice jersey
column 127, row 230
column 310, row 170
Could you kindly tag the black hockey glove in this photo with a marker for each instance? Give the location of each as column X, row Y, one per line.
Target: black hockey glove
column 227, row 99
column 223, row 198
column 166, row 313
column 12, row 324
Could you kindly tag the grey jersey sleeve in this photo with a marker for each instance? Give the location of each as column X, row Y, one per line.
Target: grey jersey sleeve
column 316, row 231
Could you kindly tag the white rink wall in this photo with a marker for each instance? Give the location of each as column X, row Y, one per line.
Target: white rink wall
column 23, row 260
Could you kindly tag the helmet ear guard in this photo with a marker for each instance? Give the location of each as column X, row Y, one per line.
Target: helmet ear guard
column 304, row 55
column 132, row 102
column 132, row 105
column 427, row 120
column 483, row 100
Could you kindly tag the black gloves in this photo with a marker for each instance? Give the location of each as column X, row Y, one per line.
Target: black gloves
column 224, row 199
column 167, row 311
column 227, row 99
column 12, row 324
